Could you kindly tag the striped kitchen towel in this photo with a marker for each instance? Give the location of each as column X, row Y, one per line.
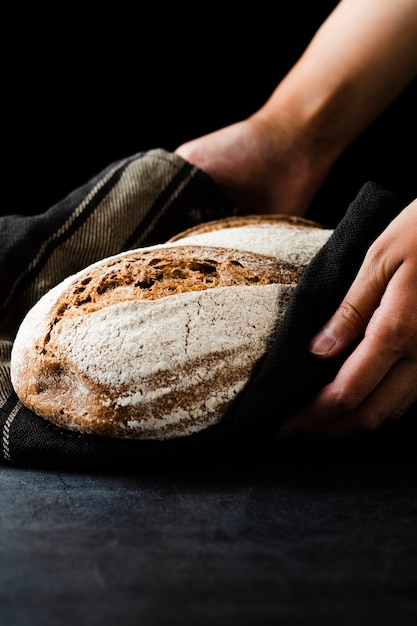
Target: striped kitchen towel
column 144, row 200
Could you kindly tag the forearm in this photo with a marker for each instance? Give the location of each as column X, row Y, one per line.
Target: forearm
column 359, row 61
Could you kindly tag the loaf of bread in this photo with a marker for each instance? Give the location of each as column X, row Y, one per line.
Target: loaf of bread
column 287, row 238
column 157, row 342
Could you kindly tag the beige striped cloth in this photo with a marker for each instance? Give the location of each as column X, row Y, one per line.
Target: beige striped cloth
column 141, row 200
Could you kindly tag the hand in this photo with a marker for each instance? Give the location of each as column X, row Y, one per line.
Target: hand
column 378, row 380
column 264, row 164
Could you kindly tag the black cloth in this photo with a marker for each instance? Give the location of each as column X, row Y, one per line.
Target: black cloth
column 143, row 200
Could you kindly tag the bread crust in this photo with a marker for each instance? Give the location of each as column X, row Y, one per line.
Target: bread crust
column 158, row 342
column 281, row 220
column 206, row 313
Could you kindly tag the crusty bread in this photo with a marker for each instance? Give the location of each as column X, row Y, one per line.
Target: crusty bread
column 285, row 237
column 281, row 220
column 156, row 343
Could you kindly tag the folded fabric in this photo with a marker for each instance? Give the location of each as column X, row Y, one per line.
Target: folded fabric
column 143, row 200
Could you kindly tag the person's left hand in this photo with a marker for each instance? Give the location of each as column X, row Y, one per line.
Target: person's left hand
column 378, row 380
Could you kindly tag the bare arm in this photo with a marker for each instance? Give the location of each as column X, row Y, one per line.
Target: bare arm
column 359, row 61
column 275, row 161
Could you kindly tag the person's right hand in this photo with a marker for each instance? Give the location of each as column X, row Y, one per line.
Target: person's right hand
column 378, row 381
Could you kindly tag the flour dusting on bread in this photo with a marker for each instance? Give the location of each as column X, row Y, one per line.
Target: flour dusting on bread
column 158, row 342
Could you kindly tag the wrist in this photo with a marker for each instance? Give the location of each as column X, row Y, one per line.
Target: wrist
column 315, row 121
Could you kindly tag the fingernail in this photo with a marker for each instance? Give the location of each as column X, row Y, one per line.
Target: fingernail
column 323, row 342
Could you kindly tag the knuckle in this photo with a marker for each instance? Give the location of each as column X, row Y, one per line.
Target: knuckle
column 378, row 260
column 350, row 316
column 376, row 252
column 399, row 333
column 350, row 402
column 404, row 336
column 345, row 399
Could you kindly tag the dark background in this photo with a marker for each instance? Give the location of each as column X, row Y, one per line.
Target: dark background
column 324, row 539
column 81, row 90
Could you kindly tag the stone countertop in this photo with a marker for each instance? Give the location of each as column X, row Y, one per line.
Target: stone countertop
column 256, row 541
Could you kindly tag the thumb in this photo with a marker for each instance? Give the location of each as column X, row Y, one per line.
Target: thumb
column 346, row 325
column 350, row 320
column 381, row 274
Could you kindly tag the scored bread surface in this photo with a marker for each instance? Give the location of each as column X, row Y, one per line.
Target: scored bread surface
column 152, row 343
column 157, row 342
column 287, row 238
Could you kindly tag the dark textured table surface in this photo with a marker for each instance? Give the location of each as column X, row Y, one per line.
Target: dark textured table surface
column 322, row 538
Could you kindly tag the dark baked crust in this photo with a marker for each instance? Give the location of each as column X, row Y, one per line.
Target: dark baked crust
column 50, row 381
column 150, row 274
column 248, row 220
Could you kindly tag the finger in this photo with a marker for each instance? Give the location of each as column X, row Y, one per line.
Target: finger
column 352, row 316
column 394, row 248
column 392, row 398
column 359, row 375
column 344, row 327
column 390, row 335
column 368, row 389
